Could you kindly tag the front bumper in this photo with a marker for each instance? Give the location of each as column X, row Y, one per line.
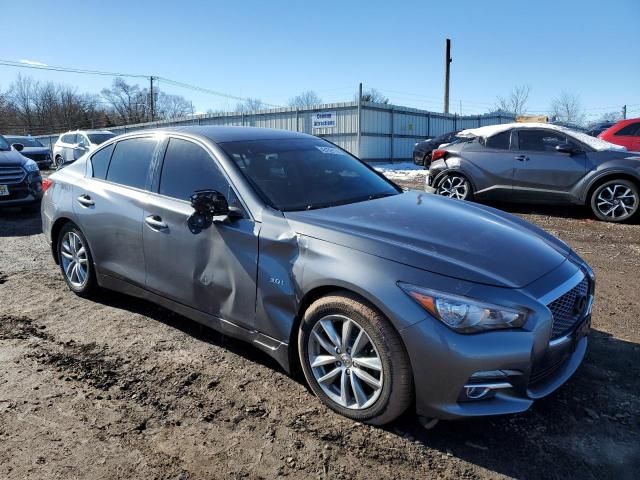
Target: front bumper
column 514, row 367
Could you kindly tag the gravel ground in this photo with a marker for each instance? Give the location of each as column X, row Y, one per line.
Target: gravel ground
column 120, row 388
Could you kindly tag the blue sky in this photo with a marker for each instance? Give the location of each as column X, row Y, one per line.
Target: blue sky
column 275, row 49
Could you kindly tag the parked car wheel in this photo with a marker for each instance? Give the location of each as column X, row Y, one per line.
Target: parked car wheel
column 455, row 186
column 615, row 200
column 426, row 161
column 75, row 261
column 57, row 161
column 354, row 360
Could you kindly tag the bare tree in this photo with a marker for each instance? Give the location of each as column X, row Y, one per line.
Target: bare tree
column 516, row 101
column 129, row 102
column 250, row 105
column 373, row 96
column 567, row 108
column 22, row 93
column 306, row 99
column 609, row 117
column 172, row 106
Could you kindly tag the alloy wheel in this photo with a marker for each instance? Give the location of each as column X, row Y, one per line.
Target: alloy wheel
column 616, row 201
column 73, row 256
column 454, row 187
column 345, row 362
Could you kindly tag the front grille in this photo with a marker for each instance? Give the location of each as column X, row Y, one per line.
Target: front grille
column 37, row 157
column 540, row 374
column 564, row 311
column 11, row 175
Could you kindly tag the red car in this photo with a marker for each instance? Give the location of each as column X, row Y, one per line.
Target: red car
column 625, row 133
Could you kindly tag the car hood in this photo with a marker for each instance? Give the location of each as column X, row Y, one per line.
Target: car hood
column 450, row 237
column 11, row 157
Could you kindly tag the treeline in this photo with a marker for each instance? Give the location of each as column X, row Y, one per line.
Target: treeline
column 29, row 106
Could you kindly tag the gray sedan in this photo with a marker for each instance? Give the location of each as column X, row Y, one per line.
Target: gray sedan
column 539, row 163
column 383, row 298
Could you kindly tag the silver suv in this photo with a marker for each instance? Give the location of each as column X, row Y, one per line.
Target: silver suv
column 381, row 297
column 72, row 145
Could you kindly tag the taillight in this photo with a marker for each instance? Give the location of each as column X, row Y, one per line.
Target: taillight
column 46, row 183
column 436, row 154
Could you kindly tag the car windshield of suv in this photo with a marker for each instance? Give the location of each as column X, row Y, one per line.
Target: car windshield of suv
column 304, row 174
column 4, row 145
column 25, row 141
column 98, row 138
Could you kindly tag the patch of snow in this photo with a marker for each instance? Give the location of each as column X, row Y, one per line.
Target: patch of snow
column 491, row 130
column 401, row 171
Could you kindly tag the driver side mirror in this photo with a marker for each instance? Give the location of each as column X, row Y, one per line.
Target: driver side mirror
column 18, row 146
column 566, row 148
column 207, row 205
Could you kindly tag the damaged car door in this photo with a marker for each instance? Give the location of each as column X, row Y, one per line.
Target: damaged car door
column 213, row 269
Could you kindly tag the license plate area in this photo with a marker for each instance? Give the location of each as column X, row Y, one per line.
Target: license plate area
column 4, row 190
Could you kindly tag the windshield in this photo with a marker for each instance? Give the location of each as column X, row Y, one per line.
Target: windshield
column 26, row 141
column 98, row 138
column 306, row 173
column 4, row 145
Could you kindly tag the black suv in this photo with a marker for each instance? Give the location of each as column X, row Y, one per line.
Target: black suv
column 422, row 150
column 20, row 179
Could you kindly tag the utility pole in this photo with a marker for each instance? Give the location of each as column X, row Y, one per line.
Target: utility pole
column 624, row 112
column 447, row 68
column 151, row 99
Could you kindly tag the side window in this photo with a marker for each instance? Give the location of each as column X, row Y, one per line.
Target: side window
column 100, row 162
column 500, row 141
column 632, row 129
column 82, row 140
column 540, row 140
column 69, row 138
column 130, row 162
column 187, row 167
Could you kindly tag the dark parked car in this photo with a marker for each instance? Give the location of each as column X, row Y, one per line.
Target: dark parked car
column 383, row 298
column 598, row 128
column 20, row 180
column 422, row 150
column 33, row 149
column 539, row 163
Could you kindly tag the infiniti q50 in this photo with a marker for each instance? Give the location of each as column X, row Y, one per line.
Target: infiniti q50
column 383, row 298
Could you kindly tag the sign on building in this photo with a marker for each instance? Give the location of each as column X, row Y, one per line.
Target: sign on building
column 324, row 120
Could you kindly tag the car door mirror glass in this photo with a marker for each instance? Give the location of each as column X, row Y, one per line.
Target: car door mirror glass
column 209, row 206
column 566, row 148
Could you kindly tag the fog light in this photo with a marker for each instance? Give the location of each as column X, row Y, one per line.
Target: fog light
column 476, row 393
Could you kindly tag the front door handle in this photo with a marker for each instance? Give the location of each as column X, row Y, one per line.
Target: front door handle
column 85, row 200
column 522, row 158
column 155, row 222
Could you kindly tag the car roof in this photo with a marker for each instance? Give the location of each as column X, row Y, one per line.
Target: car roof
column 232, row 134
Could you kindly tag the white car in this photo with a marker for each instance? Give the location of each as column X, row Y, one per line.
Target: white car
column 71, row 146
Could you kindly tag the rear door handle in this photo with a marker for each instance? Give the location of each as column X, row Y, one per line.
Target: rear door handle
column 522, row 158
column 85, row 200
column 155, row 222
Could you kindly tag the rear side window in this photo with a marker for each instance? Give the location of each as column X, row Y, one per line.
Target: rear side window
column 71, row 138
column 130, row 162
column 187, row 167
column 100, row 162
column 632, row 130
column 499, row 141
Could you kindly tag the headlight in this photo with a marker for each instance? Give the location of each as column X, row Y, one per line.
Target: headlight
column 462, row 314
column 31, row 166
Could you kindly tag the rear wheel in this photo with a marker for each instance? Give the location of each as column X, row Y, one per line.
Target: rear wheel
column 454, row 186
column 57, row 161
column 75, row 261
column 615, row 200
column 354, row 360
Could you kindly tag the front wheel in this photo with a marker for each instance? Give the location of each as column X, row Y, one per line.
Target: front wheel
column 454, row 186
column 354, row 360
column 615, row 201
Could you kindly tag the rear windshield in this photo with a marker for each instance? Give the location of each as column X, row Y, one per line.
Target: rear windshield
column 98, row 138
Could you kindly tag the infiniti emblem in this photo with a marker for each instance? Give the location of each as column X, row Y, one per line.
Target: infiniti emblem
column 580, row 304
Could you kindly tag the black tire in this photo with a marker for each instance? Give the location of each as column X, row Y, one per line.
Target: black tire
column 426, row 161
column 57, row 161
column 89, row 287
column 615, row 201
column 454, row 185
column 396, row 393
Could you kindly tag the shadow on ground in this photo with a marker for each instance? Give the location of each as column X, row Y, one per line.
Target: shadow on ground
column 15, row 222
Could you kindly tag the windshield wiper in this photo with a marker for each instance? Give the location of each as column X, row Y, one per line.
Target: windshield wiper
column 373, row 196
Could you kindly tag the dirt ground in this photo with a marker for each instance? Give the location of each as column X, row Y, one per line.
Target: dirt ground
column 120, row 388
